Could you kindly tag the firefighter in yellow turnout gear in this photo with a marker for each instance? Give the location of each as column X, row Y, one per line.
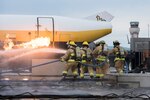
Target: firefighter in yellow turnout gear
column 86, row 58
column 120, row 55
column 70, row 58
column 101, row 52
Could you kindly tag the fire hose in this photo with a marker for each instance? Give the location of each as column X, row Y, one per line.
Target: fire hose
column 45, row 63
column 94, row 65
column 54, row 61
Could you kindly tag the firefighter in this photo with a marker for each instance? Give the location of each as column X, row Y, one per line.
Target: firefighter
column 120, row 54
column 70, row 58
column 86, row 58
column 101, row 52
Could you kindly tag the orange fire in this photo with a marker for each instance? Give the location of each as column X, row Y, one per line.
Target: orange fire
column 35, row 43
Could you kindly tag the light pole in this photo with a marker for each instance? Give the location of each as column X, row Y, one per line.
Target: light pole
column 148, row 30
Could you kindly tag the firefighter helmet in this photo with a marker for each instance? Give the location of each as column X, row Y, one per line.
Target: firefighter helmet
column 102, row 42
column 85, row 43
column 116, row 42
column 97, row 43
column 72, row 43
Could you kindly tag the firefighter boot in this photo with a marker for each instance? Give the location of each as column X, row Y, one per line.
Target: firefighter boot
column 82, row 76
column 91, row 75
column 120, row 72
column 101, row 76
column 64, row 73
column 97, row 76
column 75, row 74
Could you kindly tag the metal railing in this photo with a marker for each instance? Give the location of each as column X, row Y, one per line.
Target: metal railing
column 53, row 30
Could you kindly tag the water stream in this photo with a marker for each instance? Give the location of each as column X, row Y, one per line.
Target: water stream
column 17, row 57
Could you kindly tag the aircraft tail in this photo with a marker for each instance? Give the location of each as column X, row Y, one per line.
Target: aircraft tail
column 102, row 16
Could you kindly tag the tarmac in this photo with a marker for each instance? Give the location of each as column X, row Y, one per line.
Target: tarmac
column 42, row 86
column 70, row 88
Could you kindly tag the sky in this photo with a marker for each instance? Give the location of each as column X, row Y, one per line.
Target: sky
column 123, row 11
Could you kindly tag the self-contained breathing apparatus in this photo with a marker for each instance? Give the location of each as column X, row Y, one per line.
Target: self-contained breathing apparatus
column 120, row 53
column 87, row 56
column 78, row 53
column 101, row 52
column 79, row 56
column 102, row 56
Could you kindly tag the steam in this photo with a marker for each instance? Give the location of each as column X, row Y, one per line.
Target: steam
column 22, row 57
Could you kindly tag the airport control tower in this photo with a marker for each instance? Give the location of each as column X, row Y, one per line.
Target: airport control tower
column 134, row 29
column 140, row 47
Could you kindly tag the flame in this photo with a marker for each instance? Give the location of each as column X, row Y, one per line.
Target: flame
column 8, row 44
column 35, row 43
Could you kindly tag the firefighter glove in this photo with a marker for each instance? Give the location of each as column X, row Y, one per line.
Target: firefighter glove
column 62, row 60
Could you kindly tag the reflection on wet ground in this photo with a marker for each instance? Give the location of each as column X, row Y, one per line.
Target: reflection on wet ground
column 70, row 89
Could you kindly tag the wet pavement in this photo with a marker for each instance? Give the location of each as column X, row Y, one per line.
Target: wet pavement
column 70, row 89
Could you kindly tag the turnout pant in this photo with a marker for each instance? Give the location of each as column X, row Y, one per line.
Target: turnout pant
column 72, row 66
column 119, row 65
column 102, row 70
column 90, row 70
